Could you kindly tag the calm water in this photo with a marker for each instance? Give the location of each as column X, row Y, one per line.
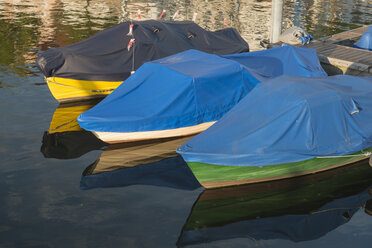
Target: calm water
column 60, row 187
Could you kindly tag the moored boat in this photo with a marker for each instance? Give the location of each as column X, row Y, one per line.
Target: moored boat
column 365, row 41
column 287, row 127
column 186, row 93
column 96, row 66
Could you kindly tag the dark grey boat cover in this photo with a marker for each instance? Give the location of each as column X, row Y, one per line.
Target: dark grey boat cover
column 106, row 57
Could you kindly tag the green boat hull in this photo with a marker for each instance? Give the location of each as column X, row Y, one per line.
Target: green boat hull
column 215, row 176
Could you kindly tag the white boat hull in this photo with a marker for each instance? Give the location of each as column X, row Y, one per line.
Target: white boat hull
column 116, row 137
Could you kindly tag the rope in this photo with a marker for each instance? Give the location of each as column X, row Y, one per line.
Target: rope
column 134, row 46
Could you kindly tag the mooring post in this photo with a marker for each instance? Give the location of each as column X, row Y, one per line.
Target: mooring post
column 276, row 20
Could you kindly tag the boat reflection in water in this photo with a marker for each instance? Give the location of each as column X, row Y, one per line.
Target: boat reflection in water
column 151, row 162
column 65, row 139
column 298, row 209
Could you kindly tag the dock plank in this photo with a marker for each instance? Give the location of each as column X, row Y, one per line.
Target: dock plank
column 336, row 51
column 349, row 34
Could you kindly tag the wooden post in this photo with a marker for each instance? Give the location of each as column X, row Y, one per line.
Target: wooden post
column 276, row 20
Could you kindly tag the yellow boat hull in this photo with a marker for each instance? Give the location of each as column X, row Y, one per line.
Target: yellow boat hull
column 65, row 90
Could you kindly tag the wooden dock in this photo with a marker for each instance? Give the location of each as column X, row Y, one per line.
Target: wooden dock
column 338, row 57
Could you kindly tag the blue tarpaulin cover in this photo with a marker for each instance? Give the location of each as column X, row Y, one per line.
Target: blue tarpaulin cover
column 192, row 87
column 289, row 119
column 285, row 60
column 365, row 42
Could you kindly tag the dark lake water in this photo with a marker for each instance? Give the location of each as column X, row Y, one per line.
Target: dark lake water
column 61, row 187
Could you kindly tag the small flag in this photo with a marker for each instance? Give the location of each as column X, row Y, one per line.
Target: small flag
column 194, row 17
column 139, row 14
column 131, row 42
column 176, row 14
column 162, row 13
column 130, row 30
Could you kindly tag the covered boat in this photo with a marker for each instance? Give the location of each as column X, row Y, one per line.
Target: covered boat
column 288, row 126
column 186, row 93
column 365, row 42
column 96, row 66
